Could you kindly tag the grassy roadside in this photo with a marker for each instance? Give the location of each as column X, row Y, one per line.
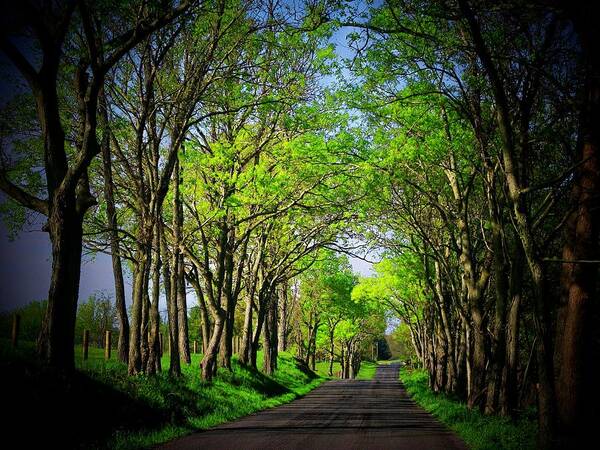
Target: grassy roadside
column 103, row 407
column 366, row 372
column 480, row 432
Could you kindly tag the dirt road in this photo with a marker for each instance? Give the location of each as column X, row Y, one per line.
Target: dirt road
column 344, row 414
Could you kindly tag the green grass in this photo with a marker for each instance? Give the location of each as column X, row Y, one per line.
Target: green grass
column 366, row 372
column 390, row 361
column 231, row 395
column 480, row 432
column 143, row 411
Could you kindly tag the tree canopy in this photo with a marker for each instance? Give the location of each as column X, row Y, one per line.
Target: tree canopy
column 239, row 152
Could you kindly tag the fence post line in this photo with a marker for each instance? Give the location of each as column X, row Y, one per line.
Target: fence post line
column 86, row 343
column 16, row 326
column 195, row 346
column 107, row 344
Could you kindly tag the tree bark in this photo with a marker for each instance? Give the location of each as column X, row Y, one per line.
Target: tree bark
column 57, row 337
column 270, row 337
column 283, row 315
column 244, row 355
column 115, row 250
column 184, row 342
column 205, row 330
column 137, row 307
column 154, row 357
column 209, row 361
column 577, row 390
column 509, row 387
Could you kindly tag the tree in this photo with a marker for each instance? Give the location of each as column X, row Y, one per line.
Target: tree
column 56, row 28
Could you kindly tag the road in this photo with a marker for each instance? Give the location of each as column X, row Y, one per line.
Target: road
column 340, row 414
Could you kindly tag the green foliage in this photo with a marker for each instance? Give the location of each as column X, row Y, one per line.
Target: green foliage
column 478, row 431
column 32, row 316
column 97, row 314
column 397, row 286
column 402, row 344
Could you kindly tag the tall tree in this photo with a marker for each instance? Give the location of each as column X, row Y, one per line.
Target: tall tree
column 56, row 28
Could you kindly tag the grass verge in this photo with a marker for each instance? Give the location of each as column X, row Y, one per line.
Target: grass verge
column 479, row 431
column 366, row 372
column 102, row 407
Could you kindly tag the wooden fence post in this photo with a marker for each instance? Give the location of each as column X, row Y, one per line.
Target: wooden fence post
column 86, row 343
column 16, row 326
column 107, row 344
column 195, row 346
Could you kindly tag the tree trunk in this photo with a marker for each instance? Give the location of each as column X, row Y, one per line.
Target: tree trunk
column 546, row 392
column 498, row 348
column 115, row 251
column 508, row 390
column 244, row 355
column 226, row 347
column 260, row 320
column 283, row 318
column 57, row 337
column 145, row 325
column 139, row 275
column 184, row 342
column 577, row 392
column 154, row 361
column 173, row 317
column 209, row 361
column 509, row 387
column 331, row 350
column 312, row 347
column 204, row 317
column 270, row 337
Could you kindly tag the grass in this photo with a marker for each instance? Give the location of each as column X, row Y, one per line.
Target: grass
column 366, row 372
column 105, row 408
column 479, row 431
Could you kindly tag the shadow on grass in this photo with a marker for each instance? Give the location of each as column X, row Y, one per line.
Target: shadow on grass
column 249, row 377
column 49, row 409
column 100, row 405
column 303, row 367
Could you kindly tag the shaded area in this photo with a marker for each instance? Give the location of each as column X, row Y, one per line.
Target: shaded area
column 344, row 414
column 50, row 410
column 100, row 406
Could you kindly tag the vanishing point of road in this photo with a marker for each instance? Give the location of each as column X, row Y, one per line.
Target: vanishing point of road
column 338, row 415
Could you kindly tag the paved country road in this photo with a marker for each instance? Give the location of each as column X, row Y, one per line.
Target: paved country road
column 341, row 414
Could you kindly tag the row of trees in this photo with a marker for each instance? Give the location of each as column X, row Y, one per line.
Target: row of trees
column 484, row 121
column 193, row 142
column 334, row 320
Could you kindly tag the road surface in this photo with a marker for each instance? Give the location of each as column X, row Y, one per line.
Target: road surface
column 338, row 415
